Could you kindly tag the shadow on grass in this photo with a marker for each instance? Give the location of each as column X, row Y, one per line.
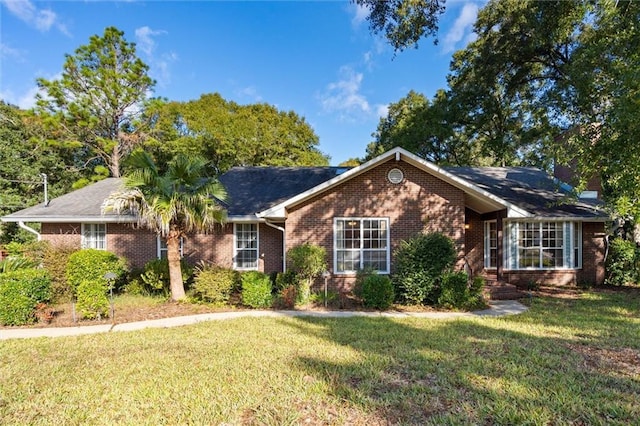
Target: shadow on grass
column 487, row 371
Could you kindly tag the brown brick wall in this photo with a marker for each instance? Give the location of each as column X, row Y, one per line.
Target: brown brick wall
column 474, row 242
column 592, row 271
column 139, row 246
column 420, row 203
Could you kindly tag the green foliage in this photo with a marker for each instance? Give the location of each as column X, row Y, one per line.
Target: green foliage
column 308, row 262
column 172, row 203
column 404, row 23
column 26, row 151
column 230, row 134
column 419, row 262
column 455, row 291
column 214, row 284
column 91, row 265
column 287, row 297
column 92, row 302
column 155, row 281
column 20, row 293
column 15, row 263
column 55, row 261
column 377, row 292
column 256, row 289
column 621, row 262
column 285, row 279
column 93, row 100
column 319, row 298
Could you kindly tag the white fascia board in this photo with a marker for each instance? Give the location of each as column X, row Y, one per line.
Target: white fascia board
column 71, row 219
column 250, row 218
column 559, row 219
column 279, row 210
column 512, row 209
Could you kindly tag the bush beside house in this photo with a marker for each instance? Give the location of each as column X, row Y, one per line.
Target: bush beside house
column 20, row 293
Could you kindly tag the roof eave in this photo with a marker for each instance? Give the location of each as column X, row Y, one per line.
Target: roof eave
column 279, row 210
column 69, row 219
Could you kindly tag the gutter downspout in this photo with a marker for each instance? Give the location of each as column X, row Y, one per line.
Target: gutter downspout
column 284, row 244
column 33, row 231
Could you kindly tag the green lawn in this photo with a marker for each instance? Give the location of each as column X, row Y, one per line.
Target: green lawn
column 564, row 362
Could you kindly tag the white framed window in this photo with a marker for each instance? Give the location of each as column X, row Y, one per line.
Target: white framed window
column 161, row 245
column 245, row 246
column 361, row 243
column 543, row 245
column 491, row 244
column 94, row 235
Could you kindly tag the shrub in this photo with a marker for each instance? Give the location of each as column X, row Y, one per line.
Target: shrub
column 454, row 290
column 620, row 265
column 55, row 261
column 308, row 262
column 214, row 284
column 256, row 289
column 15, row 263
column 361, row 275
column 287, row 297
column 419, row 262
column 284, row 280
column 92, row 298
column 377, row 292
column 20, row 293
column 92, row 265
column 155, row 277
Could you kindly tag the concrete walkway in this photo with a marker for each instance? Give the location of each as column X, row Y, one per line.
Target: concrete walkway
column 497, row 308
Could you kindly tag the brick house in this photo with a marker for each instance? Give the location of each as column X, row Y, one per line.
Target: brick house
column 512, row 224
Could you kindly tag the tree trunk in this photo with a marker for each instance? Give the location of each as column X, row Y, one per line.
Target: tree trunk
column 175, row 269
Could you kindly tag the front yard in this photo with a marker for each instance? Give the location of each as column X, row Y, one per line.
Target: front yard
column 566, row 361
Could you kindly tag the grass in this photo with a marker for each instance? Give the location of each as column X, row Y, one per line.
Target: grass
column 566, row 361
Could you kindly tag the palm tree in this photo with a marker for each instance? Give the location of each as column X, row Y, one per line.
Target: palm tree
column 172, row 204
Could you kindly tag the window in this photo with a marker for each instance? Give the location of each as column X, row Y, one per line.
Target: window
column 361, row 243
column 94, row 235
column 245, row 254
column 162, row 247
column 491, row 244
column 544, row 245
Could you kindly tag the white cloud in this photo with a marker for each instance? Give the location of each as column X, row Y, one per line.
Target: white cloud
column 42, row 19
column 382, row 110
column 344, row 95
column 7, row 51
column 25, row 100
column 461, row 27
column 145, row 41
column 360, row 14
column 159, row 64
column 249, row 92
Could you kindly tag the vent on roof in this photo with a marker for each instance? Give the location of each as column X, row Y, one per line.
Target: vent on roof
column 395, row 176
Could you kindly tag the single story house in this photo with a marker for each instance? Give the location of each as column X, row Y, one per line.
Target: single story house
column 513, row 224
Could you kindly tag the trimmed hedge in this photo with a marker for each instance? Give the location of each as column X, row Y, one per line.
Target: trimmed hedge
column 377, row 292
column 256, row 289
column 92, row 265
column 214, row 284
column 419, row 262
column 20, row 292
column 92, row 299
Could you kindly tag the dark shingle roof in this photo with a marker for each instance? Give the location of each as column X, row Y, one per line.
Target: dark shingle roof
column 83, row 203
column 254, row 189
column 530, row 189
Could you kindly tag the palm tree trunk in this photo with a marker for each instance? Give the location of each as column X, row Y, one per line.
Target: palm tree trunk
column 175, row 270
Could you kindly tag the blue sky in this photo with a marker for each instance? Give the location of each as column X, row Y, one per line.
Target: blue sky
column 315, row 58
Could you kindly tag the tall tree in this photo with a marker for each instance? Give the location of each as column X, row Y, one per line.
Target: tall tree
column 98, row 98
column 180, row 201
column 24, row 160
column 229, row 134
column 404, row 22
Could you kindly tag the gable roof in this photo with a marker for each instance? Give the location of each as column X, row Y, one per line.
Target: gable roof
column 253, row 189
column 267, row 192
column 533, row 190
column 478, row 198
column 82, row 205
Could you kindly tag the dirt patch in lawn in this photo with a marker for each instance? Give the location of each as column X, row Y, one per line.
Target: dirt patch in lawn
column 624, row 361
